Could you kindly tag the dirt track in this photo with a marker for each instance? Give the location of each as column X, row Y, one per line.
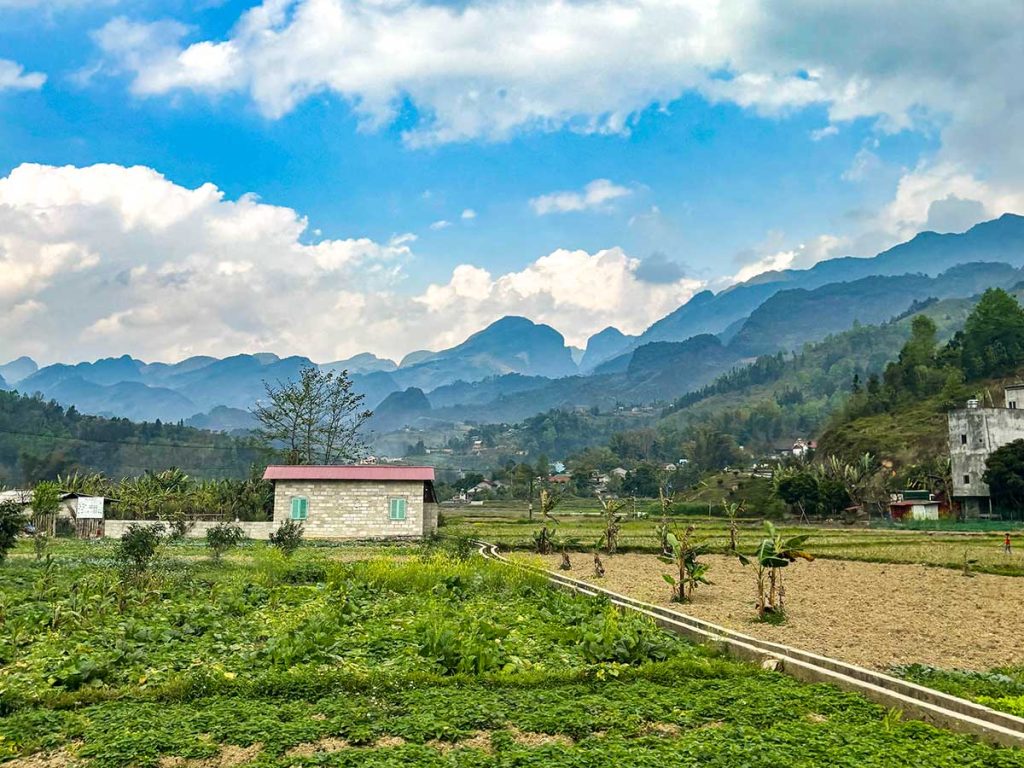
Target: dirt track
column 875, row 615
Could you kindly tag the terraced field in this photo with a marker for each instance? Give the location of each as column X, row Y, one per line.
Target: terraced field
column 938, row 548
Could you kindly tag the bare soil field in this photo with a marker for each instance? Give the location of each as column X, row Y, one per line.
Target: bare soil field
column 877, row 615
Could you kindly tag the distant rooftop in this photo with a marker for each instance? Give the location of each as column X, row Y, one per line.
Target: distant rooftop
column 348, row 472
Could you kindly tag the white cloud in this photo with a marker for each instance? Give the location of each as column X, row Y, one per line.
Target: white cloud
column 49, row 5
column 914, row 206
column 486, row 69
column 822, row 133
column 489, row 69
column 441, row 224
column 13, row 77
column 865, row 163
column 801, row 256
column 107, row 259
column 594, row 196
column 468, row 214
column 576, row 292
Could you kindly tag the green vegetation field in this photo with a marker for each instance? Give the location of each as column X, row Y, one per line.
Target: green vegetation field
column 940, row 547
column 1001, row 688
column 353, row 656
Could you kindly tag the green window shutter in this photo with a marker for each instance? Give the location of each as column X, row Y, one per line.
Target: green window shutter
column 299, row 507
column 397, row 509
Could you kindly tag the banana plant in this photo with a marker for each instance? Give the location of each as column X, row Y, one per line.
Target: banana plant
column 544, row 539
column 662, row 530
column 691, row 571
column 732, row 511
column 772, row 555
column 612, row 523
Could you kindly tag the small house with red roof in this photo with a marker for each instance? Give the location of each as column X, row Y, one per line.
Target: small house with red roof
column 356, row 502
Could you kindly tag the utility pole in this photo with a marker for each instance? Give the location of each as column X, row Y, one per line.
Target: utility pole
column 530, row 500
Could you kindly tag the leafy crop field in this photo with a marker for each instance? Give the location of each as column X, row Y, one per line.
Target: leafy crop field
column 1000, row 688
column 939, row 548
column 394, row 656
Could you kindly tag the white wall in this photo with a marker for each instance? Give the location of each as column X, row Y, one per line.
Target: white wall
column 114, row 529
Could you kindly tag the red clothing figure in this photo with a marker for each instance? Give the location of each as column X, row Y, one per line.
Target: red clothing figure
column 1006, row 544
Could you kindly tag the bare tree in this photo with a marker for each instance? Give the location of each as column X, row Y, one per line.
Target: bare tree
column 340, row 438
column 313, row 420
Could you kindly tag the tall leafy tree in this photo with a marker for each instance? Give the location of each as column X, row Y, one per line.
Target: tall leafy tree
column 315, row 419
column 1004, row 473
column 915, row 370
column 992, row 343
column 798, row 487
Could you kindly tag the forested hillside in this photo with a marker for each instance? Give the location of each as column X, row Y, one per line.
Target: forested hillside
column 40, row 439
column 901, row 414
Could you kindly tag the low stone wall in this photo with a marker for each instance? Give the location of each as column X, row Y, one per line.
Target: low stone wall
column 114, row 529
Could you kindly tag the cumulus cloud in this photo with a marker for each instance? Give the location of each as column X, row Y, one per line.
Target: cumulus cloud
column 440, row 224
column 13, row 77
column 659, row 268
column 577, row 292
column 468, row 214
column 769, row 257
column 48, row 5
column 595, row 196
column 951, row 214
column 952, row 187
column 486, row 69
column 108, row 259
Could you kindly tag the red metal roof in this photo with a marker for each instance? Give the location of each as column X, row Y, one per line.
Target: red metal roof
column 351, row 472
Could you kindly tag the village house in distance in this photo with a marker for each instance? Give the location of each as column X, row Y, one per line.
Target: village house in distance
column 356, row 502
column 974, row 433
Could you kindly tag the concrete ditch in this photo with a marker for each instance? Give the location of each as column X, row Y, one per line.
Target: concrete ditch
column 914, row 701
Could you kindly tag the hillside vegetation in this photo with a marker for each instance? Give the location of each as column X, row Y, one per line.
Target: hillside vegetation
column 40, row 439
column 901, row 415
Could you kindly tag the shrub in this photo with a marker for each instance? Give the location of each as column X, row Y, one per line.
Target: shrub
column 223, row 537
column 40, row 542
column 457, row 546
column 288, row 537
column 138, row 547
column 622, row 639
column 178, row 527
column 12, row 519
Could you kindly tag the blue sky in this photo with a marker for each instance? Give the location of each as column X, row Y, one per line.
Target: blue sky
column 427, row 145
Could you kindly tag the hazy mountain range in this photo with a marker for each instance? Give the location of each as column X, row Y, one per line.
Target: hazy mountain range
column 515, row 367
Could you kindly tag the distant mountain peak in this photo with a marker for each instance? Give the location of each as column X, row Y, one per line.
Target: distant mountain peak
column 602, row 346
column 364, row 362
column 415, row 357
column 18, row 369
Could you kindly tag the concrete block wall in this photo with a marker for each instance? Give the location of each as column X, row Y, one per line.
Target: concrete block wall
column 986, row 429
column 356, row 509
column 114, row 529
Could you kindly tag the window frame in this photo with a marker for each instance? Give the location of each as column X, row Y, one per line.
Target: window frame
column 303, row 508
column 967, row 479
column 403, row 501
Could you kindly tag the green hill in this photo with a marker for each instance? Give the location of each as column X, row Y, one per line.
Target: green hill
column 902, row 415
column 781, row 397
column 39, row 439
